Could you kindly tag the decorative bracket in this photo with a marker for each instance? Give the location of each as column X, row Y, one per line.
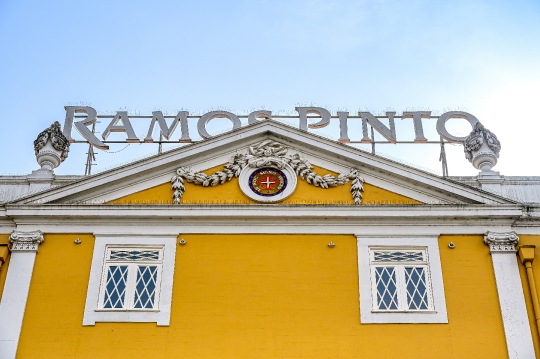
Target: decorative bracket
column 25, row 241
column 504, row 242
column 262, row 154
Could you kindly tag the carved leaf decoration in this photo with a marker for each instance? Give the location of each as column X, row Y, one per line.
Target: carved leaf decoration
column 262, row 154
column 58, row 140
column 476, row 138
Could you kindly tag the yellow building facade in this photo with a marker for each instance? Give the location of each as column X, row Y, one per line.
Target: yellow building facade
column 267, row 242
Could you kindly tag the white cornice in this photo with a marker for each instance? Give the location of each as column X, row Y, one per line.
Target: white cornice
column 273, row 218
column 264, row 212
column 264, row 218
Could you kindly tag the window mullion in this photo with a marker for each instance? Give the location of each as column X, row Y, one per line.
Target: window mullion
column 130, row 291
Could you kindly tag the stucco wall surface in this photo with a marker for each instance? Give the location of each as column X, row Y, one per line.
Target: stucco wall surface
column 4, row 240
column 261, row 296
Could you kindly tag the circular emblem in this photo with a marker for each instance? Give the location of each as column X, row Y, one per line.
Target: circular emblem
column 268, row 184
column 267, row 181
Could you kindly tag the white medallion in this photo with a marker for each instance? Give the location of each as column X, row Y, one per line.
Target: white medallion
column 268, row 184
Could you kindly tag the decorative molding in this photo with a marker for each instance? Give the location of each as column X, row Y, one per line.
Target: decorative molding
column 504, row 242
column 25, row 241
column 382, row 172
column 262, row 154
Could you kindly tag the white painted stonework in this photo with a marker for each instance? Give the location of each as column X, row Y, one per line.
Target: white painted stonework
column 243, row 181
column 16, row 289
column 458, row 206
column 430, row 243
column 160, row 316
column 511, row 298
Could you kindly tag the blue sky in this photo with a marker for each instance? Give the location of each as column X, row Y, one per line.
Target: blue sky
column 482, row 57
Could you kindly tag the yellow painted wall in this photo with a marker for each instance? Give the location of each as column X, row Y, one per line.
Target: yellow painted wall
column 230, row 192
column 4, row 240
column 534, row 240
column 261, row 296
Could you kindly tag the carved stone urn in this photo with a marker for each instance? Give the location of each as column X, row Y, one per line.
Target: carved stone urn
column 51, row 147
column 482, row 148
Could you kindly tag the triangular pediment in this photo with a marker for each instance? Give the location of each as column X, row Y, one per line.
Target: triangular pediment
column 149, row 180
column 230, row 192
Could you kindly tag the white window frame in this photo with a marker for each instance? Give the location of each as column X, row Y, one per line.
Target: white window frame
column 132, row 270
column 400, row 277
column 94, row 311
column 368, row 309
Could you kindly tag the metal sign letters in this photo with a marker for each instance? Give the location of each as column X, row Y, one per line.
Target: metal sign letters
column 84, row 116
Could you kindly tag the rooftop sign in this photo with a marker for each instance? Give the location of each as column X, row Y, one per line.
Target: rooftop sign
column 81, row 117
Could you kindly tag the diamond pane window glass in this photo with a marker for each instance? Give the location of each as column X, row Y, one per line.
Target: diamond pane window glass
column 400, row 280
column 385, row 281
column 115, row 287
column 415, row 282
column 145, row 287
column 131, row 279
column 132, row 255
column 398, row 256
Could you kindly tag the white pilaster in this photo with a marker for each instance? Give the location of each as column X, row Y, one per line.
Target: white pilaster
column 511, row 298
column 23, row 255
column 491, row 181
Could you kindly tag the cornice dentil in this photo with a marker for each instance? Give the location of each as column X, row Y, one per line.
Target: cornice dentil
column 502, row 241
column 25, row 241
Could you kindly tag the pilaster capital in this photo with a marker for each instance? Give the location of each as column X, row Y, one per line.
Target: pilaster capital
column 25, row 241
column 501, row 242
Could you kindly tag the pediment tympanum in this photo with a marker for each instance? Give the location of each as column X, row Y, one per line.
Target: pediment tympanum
column 269, row 172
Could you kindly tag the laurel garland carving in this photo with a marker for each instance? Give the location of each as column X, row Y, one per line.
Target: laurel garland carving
column 476, row 139
column 263, row 154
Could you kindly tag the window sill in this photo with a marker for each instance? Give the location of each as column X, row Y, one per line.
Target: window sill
column 405, row 311
column 126, row 310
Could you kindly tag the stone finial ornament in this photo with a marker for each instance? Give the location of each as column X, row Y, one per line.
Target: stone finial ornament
column 482, row 148
column 51, row 147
